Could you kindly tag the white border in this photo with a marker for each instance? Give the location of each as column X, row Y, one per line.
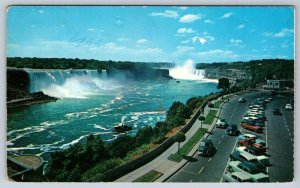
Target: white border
column 5, row 3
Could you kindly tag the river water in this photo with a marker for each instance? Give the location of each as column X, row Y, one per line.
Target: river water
column 43, row 128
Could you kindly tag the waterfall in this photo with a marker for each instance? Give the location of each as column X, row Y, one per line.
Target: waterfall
column 187, row 72
column 65, row 83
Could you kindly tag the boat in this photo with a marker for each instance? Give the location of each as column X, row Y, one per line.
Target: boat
column 121, row 128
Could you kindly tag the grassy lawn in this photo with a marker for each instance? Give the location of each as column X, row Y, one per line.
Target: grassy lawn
column 210, row 117
column 149, row 177
column 186, row 148
column 217, row 104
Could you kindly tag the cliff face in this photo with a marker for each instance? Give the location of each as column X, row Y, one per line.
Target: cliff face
column 17, row 84
column 139, row 74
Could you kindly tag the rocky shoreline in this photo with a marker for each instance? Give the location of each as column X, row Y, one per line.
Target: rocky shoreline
column 34, row 98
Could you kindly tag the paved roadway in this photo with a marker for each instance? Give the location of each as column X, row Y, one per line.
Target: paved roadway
column 211, row 169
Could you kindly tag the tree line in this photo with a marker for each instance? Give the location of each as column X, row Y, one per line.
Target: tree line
column 90, row 159
column 68, row 63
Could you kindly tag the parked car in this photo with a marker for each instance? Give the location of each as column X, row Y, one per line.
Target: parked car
column 243, row 156
column 206, row 148
column 253, row 128
column 264, row 160
column 289, row 107
column 237, row 177
column 249, row 168
column 252, row 142
column 251, row 150
column 242, row 100
column 221, row 123
column 232, row 130
column 246, row 136
column 277, row 112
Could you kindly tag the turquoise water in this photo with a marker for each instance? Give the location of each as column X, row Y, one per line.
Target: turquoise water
column 43, row 128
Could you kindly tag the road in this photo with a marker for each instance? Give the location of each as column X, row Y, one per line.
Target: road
column 211, row 169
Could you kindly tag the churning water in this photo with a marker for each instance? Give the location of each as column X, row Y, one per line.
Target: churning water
column 91, row 103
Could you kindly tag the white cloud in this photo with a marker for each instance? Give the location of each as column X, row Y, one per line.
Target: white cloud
column 41, row 11
column 91, row 29
column 166, row 13
column 185, row 30
column 141, row 41
column 218, row 53
column 200, row 39
column 285, row 32
column 240, row 26
column 188, row 18
column 122, row 39
column 209, row 21
column 185, row 41
column 184, row 49
column 284, row 45
column 227, row 15
column 235, row 41
column 210, row 38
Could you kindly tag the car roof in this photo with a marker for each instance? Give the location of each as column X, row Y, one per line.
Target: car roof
column 250, row 166
column 248, row 156
column 250, row 135
column 242, row 175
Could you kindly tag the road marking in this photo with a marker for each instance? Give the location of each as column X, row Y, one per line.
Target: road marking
column 233, row 112
column 210, row 159
column 201, row 170
column 223, row 136
column 189, row 172
column 220, row 142
column 191, row 180
column 286, row 125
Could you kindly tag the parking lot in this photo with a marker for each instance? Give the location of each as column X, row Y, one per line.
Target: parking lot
column 278, row 134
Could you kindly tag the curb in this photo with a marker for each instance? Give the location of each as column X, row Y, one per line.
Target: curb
column 206, row 134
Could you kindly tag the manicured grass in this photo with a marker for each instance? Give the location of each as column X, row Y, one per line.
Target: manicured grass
column 218, row 103
column 150, row 176
column 186, row 148
column 210, row 117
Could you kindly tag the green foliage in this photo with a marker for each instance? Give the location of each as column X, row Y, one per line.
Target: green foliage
column 64, row 63
column 179, row 137
column 186, row 148
column 201, row 118
column 95, row 174
column 121, row 146
column 210, row 117
column 223, row 84
column 144, row 135
column 150, row 176
column 260, row 70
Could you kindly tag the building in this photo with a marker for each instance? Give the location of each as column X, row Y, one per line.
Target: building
column 279, row 84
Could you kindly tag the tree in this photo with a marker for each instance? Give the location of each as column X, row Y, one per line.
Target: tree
column 179, row 137
column 223, row 84
column 201, row 118
column 210, row 105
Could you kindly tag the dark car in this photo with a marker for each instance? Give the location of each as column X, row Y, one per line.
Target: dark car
column 232, row 130
column 238, row 156
column 206, row 148
column 255, row 151
column 277, row 112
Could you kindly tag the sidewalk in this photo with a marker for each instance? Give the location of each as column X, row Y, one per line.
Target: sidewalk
column 162, row 164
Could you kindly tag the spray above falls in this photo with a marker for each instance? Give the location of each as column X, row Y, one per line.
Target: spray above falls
column 70, row 83
column 187, row 72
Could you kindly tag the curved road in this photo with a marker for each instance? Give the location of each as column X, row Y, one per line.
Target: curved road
column 278, row 134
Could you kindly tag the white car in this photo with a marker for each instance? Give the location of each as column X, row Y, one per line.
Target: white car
column 288, row 107
column 237, row 177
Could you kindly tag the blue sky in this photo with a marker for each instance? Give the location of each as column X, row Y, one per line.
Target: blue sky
column 151, row 34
